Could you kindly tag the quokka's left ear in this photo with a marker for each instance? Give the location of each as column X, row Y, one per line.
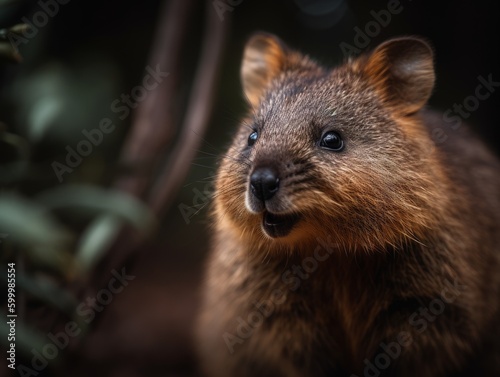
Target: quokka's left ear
column 402, row 70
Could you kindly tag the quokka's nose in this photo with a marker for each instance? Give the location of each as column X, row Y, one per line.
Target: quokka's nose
column 264, row 183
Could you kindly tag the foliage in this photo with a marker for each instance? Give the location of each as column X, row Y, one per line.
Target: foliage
column 57, row 234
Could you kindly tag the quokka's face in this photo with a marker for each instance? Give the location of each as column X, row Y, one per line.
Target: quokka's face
column 326, row 152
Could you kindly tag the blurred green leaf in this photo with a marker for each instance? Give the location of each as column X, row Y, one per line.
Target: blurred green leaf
column 17, row 141
column 19, row 28
column 12, row 171
column 46, row 291
column 31, row 226
column 92, row 201
column 26, row 338
column 44, row 113
column 58, row 102
column 16, row 29
column 96, row 240
column 9, row 53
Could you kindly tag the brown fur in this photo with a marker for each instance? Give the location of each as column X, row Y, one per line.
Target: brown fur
column 400, row 216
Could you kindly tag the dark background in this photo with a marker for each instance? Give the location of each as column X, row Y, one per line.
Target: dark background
column 93, row 51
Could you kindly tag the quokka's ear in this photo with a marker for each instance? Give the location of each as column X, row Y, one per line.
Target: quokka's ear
column 402, row 70
column 263, row 59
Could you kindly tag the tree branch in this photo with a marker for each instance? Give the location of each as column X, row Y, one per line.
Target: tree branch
column 153, row 126
column 197, row 115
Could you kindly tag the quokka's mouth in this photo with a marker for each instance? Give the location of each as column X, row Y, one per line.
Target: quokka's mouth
column 277, row 226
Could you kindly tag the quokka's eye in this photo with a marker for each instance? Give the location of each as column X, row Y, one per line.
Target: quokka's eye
column 332, row 141
column 252, row 138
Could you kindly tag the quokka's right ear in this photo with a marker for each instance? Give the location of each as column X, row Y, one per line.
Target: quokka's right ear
column 263, row 59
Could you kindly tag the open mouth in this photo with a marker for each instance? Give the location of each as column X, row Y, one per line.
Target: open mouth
column 278, row 225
